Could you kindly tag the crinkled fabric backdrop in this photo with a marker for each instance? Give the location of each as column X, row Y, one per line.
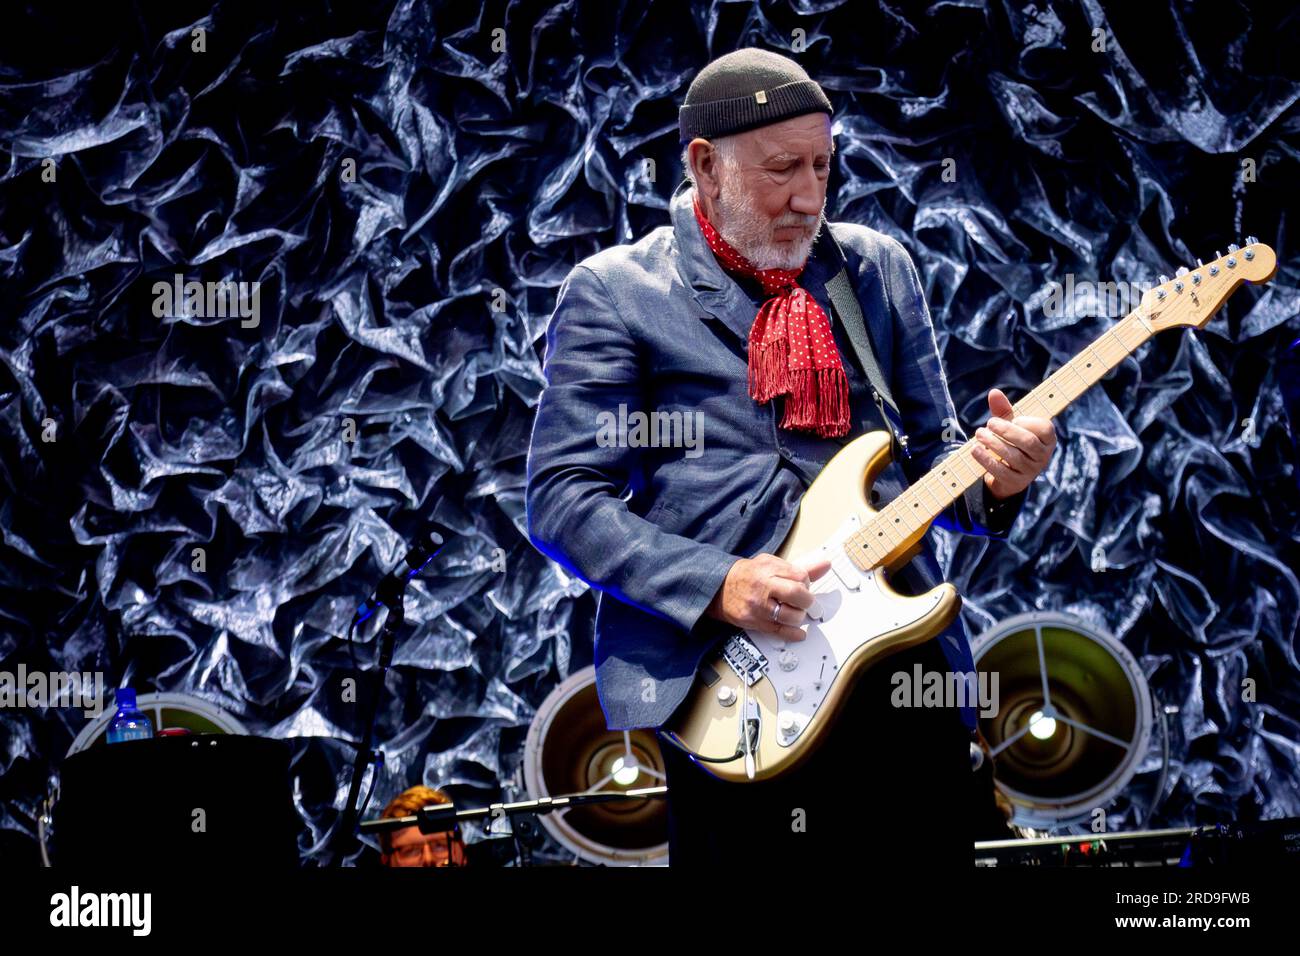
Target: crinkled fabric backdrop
column 479, row 170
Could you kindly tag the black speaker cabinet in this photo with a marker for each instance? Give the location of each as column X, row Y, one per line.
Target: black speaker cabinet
column 209, row 800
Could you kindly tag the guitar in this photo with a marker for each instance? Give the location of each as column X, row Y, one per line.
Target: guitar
column 760, row 705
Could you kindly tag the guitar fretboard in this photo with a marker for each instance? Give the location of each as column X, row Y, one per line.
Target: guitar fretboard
column 914, row 509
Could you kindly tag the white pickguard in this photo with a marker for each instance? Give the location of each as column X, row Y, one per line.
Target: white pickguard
column 852, row 608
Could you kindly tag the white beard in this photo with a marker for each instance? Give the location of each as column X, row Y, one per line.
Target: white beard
column 750, row 232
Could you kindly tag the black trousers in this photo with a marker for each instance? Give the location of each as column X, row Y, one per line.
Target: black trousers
column 890, row 786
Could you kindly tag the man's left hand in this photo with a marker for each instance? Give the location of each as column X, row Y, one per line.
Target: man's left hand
column 1012, row 450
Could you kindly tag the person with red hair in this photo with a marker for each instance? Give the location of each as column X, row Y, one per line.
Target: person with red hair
column 408, row 846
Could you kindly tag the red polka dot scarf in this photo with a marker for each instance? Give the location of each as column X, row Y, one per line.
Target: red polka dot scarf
column 792, row 351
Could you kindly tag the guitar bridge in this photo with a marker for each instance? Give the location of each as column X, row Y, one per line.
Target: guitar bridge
column 743, row 656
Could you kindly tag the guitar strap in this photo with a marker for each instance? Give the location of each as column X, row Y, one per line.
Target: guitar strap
column 845, row 303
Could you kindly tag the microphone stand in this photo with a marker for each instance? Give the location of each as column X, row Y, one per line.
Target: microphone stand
column 391, row 593
column 440, row 817
column 395, row 602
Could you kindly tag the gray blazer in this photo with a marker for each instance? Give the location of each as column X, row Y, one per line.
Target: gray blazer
column 658, row 326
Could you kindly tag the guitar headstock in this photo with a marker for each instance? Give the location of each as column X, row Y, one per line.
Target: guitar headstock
column 1192, row 296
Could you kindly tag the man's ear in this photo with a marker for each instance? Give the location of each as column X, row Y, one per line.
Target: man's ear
column 704, row 166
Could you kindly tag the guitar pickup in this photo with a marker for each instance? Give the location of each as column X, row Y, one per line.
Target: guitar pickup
column 843, row 569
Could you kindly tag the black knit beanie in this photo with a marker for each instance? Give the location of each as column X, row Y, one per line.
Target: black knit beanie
column 747, row 89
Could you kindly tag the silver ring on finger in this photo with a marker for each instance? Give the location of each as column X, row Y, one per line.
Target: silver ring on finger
column 776, row 610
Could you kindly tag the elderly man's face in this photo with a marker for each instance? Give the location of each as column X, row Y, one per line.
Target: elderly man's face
column 770, row 197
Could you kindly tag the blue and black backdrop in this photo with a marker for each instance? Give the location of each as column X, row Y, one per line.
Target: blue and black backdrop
column 195, row 503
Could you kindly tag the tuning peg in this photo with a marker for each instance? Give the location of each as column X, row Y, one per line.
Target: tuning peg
column 1181, row 271
column 1233, row 247
column 1251, row 240
column 1218, row 254
column 1199, row 263
column 1164, row 279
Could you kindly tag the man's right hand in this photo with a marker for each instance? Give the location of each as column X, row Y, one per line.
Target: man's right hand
column 754, row 585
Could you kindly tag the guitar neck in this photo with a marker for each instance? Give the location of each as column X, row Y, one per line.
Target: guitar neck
column 1190, row 299
column 913, row 510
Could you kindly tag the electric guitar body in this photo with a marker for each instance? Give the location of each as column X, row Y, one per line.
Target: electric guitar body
column 795, row 689
column 759, row 705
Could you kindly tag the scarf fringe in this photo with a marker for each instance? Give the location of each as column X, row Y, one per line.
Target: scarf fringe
column 768, row 369
column 818, row 400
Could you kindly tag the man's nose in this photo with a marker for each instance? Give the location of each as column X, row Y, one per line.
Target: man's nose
column 808, row 193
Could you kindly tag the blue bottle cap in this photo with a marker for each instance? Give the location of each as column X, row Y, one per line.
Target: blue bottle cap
column 125, row 697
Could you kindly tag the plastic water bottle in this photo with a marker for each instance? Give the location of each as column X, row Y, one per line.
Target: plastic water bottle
column 129, row 723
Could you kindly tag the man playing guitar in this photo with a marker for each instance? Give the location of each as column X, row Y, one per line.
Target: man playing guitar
column 725, row 318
